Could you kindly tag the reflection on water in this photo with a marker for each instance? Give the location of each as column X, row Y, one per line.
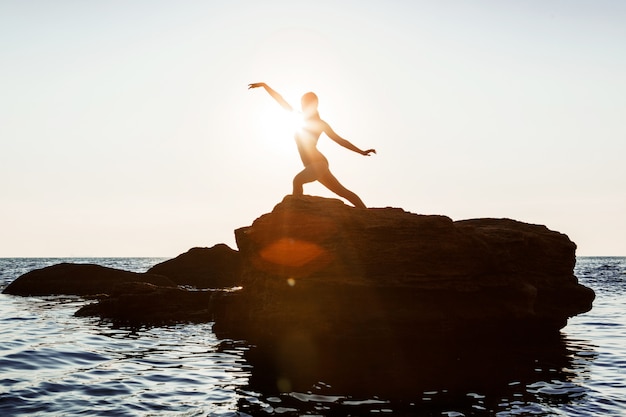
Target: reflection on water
column 451, row 377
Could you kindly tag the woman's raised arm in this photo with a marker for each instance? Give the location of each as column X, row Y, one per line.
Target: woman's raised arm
column 274, row 95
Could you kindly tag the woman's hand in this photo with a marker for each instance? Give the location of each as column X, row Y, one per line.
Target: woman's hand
column 274, row 95
column 368, row 152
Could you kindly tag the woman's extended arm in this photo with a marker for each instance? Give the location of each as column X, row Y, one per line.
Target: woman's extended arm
column 274, row 95
column 343, row 142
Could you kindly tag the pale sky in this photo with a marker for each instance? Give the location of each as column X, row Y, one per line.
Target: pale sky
column 126, row 127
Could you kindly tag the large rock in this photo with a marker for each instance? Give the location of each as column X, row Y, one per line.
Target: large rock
column 216, row 267
column 315, row 268
column 78, row 279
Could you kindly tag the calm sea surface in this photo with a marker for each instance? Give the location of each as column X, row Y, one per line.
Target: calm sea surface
column 52, row 363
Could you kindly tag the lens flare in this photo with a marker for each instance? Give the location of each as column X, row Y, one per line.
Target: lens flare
column 291, row 252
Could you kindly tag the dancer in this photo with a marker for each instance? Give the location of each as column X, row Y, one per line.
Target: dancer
column 315, row 164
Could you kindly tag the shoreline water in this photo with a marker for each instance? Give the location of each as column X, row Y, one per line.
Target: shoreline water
column 53, row 361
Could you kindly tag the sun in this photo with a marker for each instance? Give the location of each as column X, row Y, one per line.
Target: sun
column 278, row 127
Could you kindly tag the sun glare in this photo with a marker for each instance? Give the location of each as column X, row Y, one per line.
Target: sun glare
column 295, row 121
column 278, row 127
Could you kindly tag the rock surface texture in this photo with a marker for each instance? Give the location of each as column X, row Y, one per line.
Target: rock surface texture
column 316, row 268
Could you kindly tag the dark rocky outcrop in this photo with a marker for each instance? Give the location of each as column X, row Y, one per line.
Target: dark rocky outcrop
column 78, row 279
column 357, row 297
column 141, row 303
column 316, row 268
column 216, row 267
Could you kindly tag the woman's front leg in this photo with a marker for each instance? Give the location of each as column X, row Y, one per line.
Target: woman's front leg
column 308, row 174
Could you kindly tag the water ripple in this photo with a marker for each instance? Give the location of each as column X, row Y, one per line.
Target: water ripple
column 75, row 366
column 53, row 363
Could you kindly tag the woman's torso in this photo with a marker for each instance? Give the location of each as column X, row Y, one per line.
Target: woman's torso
column 306, row 139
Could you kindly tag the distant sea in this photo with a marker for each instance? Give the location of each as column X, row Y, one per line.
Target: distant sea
column 52, row 363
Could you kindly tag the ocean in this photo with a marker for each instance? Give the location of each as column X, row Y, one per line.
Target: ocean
column 55, row 364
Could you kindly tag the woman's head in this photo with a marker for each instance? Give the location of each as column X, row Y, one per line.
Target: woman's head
column 309, row 103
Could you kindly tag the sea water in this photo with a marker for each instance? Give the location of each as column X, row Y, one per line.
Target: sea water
column 52, row 363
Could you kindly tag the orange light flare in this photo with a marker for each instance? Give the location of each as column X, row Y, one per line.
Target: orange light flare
column 291, row 244
column 291, row 252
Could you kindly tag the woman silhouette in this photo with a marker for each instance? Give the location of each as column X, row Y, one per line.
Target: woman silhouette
column 315, row 164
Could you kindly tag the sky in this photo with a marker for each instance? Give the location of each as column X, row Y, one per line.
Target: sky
column 127, row 129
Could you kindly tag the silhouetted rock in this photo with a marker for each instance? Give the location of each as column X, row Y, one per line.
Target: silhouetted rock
column 77, row 279
column 353, row 297
column 315, row 268
column 216, row 267
column 141, row 303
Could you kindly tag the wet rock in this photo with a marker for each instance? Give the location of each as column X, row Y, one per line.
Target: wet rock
column 215, row 267
column 78, row 279
column 141, row 303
